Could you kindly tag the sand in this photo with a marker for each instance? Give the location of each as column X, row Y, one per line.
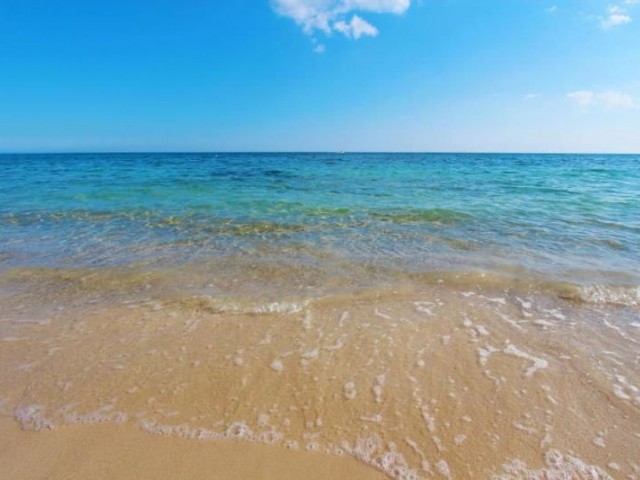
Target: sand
column 124, row 452
column 432, row 383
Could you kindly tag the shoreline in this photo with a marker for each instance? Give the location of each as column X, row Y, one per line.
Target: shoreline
column 539, row 385
column 124, row 452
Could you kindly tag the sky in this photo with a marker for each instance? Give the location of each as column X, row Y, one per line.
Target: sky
column 320, row 75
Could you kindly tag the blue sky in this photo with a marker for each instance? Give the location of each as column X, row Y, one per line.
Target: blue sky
column 320, row 75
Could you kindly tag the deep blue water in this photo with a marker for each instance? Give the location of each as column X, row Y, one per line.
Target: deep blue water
column 570, row 217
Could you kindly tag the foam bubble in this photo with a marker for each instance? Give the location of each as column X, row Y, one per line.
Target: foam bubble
column 338, row 345
column 481, row 330
column 377, row 387
column 378, row 313
column 484, row 353
column 558, row 467
column 538, row 363
column 350, row 391
column 277, row 366
column 460, row 439
column 425, row 307
column 32, row 418
column 311, row 354
column 429, row 420
column 443, row 469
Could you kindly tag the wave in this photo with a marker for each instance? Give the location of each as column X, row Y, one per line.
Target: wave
column 281, row 285
column 628, row 296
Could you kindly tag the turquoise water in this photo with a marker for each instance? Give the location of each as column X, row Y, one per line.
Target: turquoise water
column 573, row 218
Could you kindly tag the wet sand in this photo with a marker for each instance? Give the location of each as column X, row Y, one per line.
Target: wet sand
column 126, row 453
column 428, row 381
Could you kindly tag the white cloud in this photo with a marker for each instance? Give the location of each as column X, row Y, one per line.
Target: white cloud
column 356, row 28
column 330, row 16
column 616, row 15
column 609, row 99
column 552, row 9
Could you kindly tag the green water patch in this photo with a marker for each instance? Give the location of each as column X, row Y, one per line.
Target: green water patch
column 436, row 215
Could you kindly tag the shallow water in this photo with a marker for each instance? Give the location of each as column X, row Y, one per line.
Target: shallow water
column 435, row 316
column 559, row 216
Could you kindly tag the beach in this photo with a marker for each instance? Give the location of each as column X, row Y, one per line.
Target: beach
column 327, row 316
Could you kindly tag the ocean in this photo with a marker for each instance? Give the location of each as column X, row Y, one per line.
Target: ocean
column 432, row 315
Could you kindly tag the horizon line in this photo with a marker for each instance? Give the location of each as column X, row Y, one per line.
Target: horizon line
column 306, row 152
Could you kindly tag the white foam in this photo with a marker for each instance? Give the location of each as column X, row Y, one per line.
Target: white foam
column 311, row 354
column 481, row 330
column 350, row 391
column 191, row 325
column 509, row 320
column 484, row 353
column 428, row 419
column 438, row 443
column 498, row 300
column 32, row 418
column 103, row 415
column 600, row 294
column 538, row 363
column 524, row 428
column 292, row 445
column 224, row 306
column 425, row 307
column 414, row 445
column 378, row 313
column 374, row 419
column 555, row 313
column 543, row 323
column 460, row 439
column 524, row 304
column 370, row 451
column 443, row 469
column 614, row 466
column 377, row 387
column 277, row 366
column 338, row 345
column 308, row 320
column 558, row 467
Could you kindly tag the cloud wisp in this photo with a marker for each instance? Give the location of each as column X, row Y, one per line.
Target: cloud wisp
column 617, row 15
column 610, row 99
column 337, row 16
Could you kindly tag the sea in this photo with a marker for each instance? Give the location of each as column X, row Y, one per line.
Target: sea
column 432, row 315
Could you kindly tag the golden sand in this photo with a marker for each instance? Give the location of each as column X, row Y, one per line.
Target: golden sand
column 430, row 382
column 126, row 453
